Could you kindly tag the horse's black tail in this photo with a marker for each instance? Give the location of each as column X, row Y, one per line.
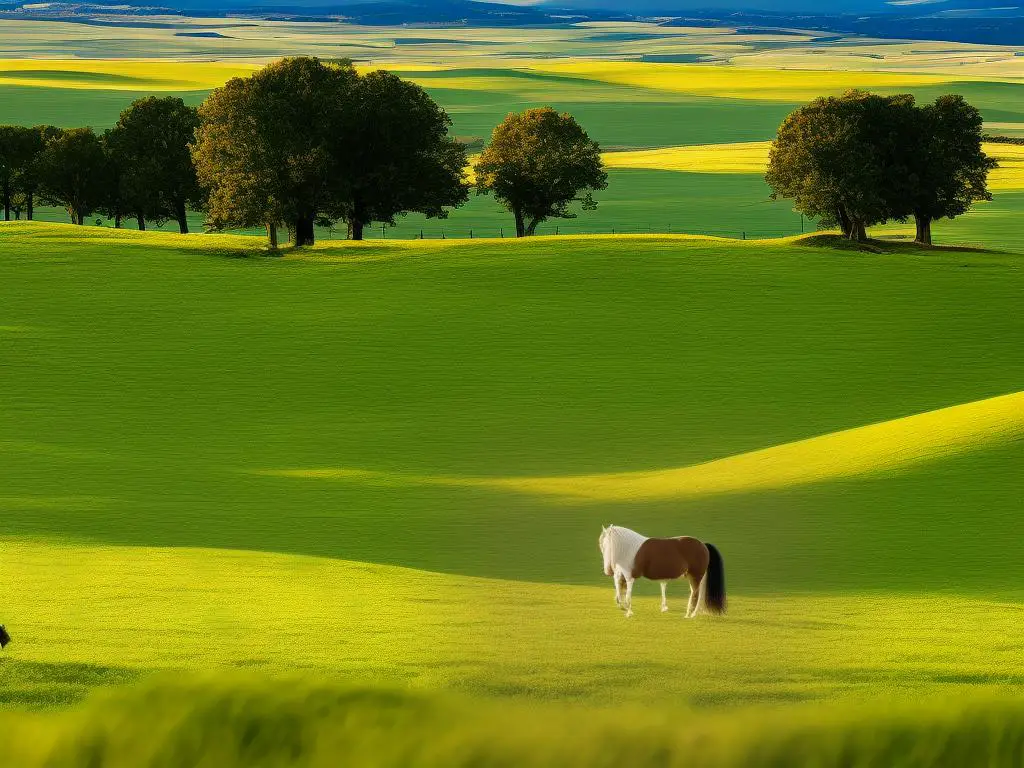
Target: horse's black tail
column 4, row 637
column 714, row 595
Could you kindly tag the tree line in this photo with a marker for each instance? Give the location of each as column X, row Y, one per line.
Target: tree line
column 861, row 159
column 299, row 143
column 304, row 142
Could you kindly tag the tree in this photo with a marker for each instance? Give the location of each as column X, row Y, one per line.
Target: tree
column 263, row 147
column 537, row 164
column 949, row 171
column 150, row 145
column 72, row 172
column 394, row 154
column 828, row 159
column 16, row 153
column 28, row 179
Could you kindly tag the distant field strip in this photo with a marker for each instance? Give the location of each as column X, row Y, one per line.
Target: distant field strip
column 887, row 446
column 732, row 82
column 752, row 157
column 120, row 75
column 745, row 157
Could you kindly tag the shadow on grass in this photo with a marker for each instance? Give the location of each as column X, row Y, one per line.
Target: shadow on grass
column 886, row 246
column 44, row 685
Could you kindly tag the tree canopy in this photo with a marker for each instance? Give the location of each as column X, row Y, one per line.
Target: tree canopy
column 263, row 147
column 538, row 163
column 862, row 159
column 394, row 154
column 149, row 152
column 72, row 172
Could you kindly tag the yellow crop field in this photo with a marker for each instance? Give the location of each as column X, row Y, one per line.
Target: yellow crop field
column 133, row 75
column 733, row 82
column 743, row 157
column 752, row 157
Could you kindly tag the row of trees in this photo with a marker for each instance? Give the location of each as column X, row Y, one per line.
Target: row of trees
column 303, row 142
column 140, row 168
column 299, row 143
column 861, row 159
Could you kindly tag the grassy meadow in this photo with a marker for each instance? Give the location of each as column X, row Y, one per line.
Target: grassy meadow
column 344, row 499
column 386, row 464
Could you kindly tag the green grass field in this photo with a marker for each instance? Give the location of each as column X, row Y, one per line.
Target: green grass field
column 347, row 464
column 348, row 501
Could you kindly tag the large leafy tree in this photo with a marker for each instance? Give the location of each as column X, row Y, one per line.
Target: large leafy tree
column 150, row 149
column 17, row 151
column 263, row 147
column 827, row 159
column 394, row 154
column 538, row 163
column 72, row 172
column 28, row 178
column 130, row 189
column 949, row 170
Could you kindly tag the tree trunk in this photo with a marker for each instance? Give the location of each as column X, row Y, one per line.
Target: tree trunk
column 357, row 230
column 7, row 204
column 520, row 223
column 844, row 222
column 117, row 220
column 531, row 230
column 31, row 201
column 80, row 216
column 179, row 211
column 141, row 219
column 924, row 229
column 859, row 233
column 304, row 231
column 272, row 235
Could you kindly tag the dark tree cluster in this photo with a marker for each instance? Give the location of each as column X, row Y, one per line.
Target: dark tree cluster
column 861, row 159
column 301, row 142
column 140, row 168
column 305, row 142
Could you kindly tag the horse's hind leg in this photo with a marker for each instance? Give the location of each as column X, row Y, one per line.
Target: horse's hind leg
column 664, row 598
column 691, row 608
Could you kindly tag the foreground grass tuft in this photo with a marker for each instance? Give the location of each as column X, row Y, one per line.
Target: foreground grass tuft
column 228, row 721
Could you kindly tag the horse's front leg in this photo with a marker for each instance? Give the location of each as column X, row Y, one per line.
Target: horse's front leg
column 618, row 589
column 629, row 596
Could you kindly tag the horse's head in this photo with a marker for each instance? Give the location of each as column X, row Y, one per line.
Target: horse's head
column 604, row 542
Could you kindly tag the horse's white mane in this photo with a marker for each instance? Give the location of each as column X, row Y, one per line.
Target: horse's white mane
column 623, row 544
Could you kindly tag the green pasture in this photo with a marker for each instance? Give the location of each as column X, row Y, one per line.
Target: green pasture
column 156, row 386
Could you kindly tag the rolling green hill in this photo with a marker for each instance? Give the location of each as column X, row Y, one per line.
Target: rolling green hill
column 389, row 462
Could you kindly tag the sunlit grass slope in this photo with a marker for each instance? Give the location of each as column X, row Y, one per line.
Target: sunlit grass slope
column 886, row 447
column 235, row 721
column 150, row 380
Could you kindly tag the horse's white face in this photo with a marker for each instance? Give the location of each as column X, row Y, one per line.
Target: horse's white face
column 606, row 550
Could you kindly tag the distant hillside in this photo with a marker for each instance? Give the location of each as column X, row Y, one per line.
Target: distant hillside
column 971, row 21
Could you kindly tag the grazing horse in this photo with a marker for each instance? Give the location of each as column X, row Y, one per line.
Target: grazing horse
column 628, row 555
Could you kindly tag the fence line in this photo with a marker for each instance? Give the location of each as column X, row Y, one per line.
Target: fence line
column 494, row 233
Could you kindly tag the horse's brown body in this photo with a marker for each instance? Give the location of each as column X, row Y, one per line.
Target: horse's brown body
column 666, row 559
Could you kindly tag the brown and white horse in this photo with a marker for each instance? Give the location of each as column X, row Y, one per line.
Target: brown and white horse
column 628, row 555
